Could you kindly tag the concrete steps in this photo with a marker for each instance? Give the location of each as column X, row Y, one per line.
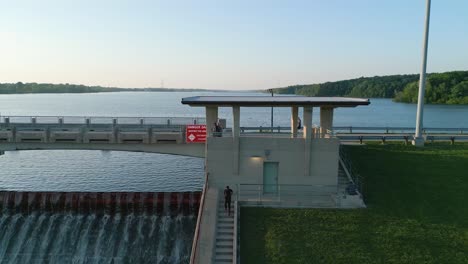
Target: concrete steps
column 342, row 180
column 224, row 245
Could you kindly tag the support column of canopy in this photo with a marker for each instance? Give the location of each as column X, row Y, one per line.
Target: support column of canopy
column 235, row 138
column 211, row 115
column 307, row 134
column 307, row 123
column 211, row 119
column 326, row 120
column 294, row 117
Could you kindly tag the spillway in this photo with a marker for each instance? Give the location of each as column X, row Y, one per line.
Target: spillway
column 53, row 227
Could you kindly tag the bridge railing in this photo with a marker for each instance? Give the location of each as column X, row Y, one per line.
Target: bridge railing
column 101, row 120
column 398, row 130
column 279, row 131
column 289, row 195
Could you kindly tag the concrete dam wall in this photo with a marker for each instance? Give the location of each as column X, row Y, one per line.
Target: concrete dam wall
column 83, row 227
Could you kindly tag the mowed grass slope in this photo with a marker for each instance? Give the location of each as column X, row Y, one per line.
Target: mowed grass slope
column 417, row 213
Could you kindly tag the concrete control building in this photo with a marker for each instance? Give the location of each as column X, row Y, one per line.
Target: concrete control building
column 271, row 160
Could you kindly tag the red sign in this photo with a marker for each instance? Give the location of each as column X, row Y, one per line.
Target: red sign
column 195, row 133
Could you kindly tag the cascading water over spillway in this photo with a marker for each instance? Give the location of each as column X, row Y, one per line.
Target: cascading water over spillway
column 120, row 227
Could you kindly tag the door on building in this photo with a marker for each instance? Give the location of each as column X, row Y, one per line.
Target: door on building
column 270, row 177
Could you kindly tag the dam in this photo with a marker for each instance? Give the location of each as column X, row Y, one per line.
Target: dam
column 118, row 227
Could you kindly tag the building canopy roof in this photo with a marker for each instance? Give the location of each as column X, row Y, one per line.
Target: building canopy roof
column 259, row 101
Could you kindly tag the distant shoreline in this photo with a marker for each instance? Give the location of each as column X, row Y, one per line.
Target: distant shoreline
column 48, row 88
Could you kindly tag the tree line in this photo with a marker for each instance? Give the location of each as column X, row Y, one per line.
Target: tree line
column 441, row 88
column 24, row 88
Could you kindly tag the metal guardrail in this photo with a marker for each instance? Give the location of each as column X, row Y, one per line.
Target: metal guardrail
column 289, row 195
column 227, row 132
column 401, row 137
column 281, row 132
column 276, row 135
column 101, row 120
column 395, row 130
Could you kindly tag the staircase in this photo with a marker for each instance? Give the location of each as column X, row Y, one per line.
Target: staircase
column 224, row 245
column 346, row 200
column 342, row 181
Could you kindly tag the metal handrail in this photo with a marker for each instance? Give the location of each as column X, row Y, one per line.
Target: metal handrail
column 389, row 129
column 193, row 253
column 355, row 178
column 278, row 135
column 291, row 194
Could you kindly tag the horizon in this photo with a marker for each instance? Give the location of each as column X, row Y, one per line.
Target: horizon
column 239, row 90
column 224, row 46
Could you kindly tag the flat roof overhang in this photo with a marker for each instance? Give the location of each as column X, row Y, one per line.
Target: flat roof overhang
column 284, row 101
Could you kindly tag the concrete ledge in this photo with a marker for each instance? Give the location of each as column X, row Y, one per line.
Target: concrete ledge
column 101, row 137
column 31, row 136
column 191, row 150
column 6, row 136
column 133, row 137
column 352, row 201
column 167, row 137
column 68, row 136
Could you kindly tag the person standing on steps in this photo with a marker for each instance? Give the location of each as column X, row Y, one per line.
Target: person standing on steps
column 227, row 199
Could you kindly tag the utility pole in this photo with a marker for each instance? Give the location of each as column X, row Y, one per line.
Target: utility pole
column 418, row 139
column 272, row 92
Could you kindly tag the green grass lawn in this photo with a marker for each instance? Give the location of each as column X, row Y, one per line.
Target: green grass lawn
column 417, row 213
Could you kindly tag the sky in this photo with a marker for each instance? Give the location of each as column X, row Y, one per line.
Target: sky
column 236, row 45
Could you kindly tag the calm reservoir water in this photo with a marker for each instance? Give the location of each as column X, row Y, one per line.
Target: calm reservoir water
column 76, row 170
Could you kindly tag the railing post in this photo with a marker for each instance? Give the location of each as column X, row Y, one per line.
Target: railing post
column 33, row 120
column 142, row 121
column 88, row 121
